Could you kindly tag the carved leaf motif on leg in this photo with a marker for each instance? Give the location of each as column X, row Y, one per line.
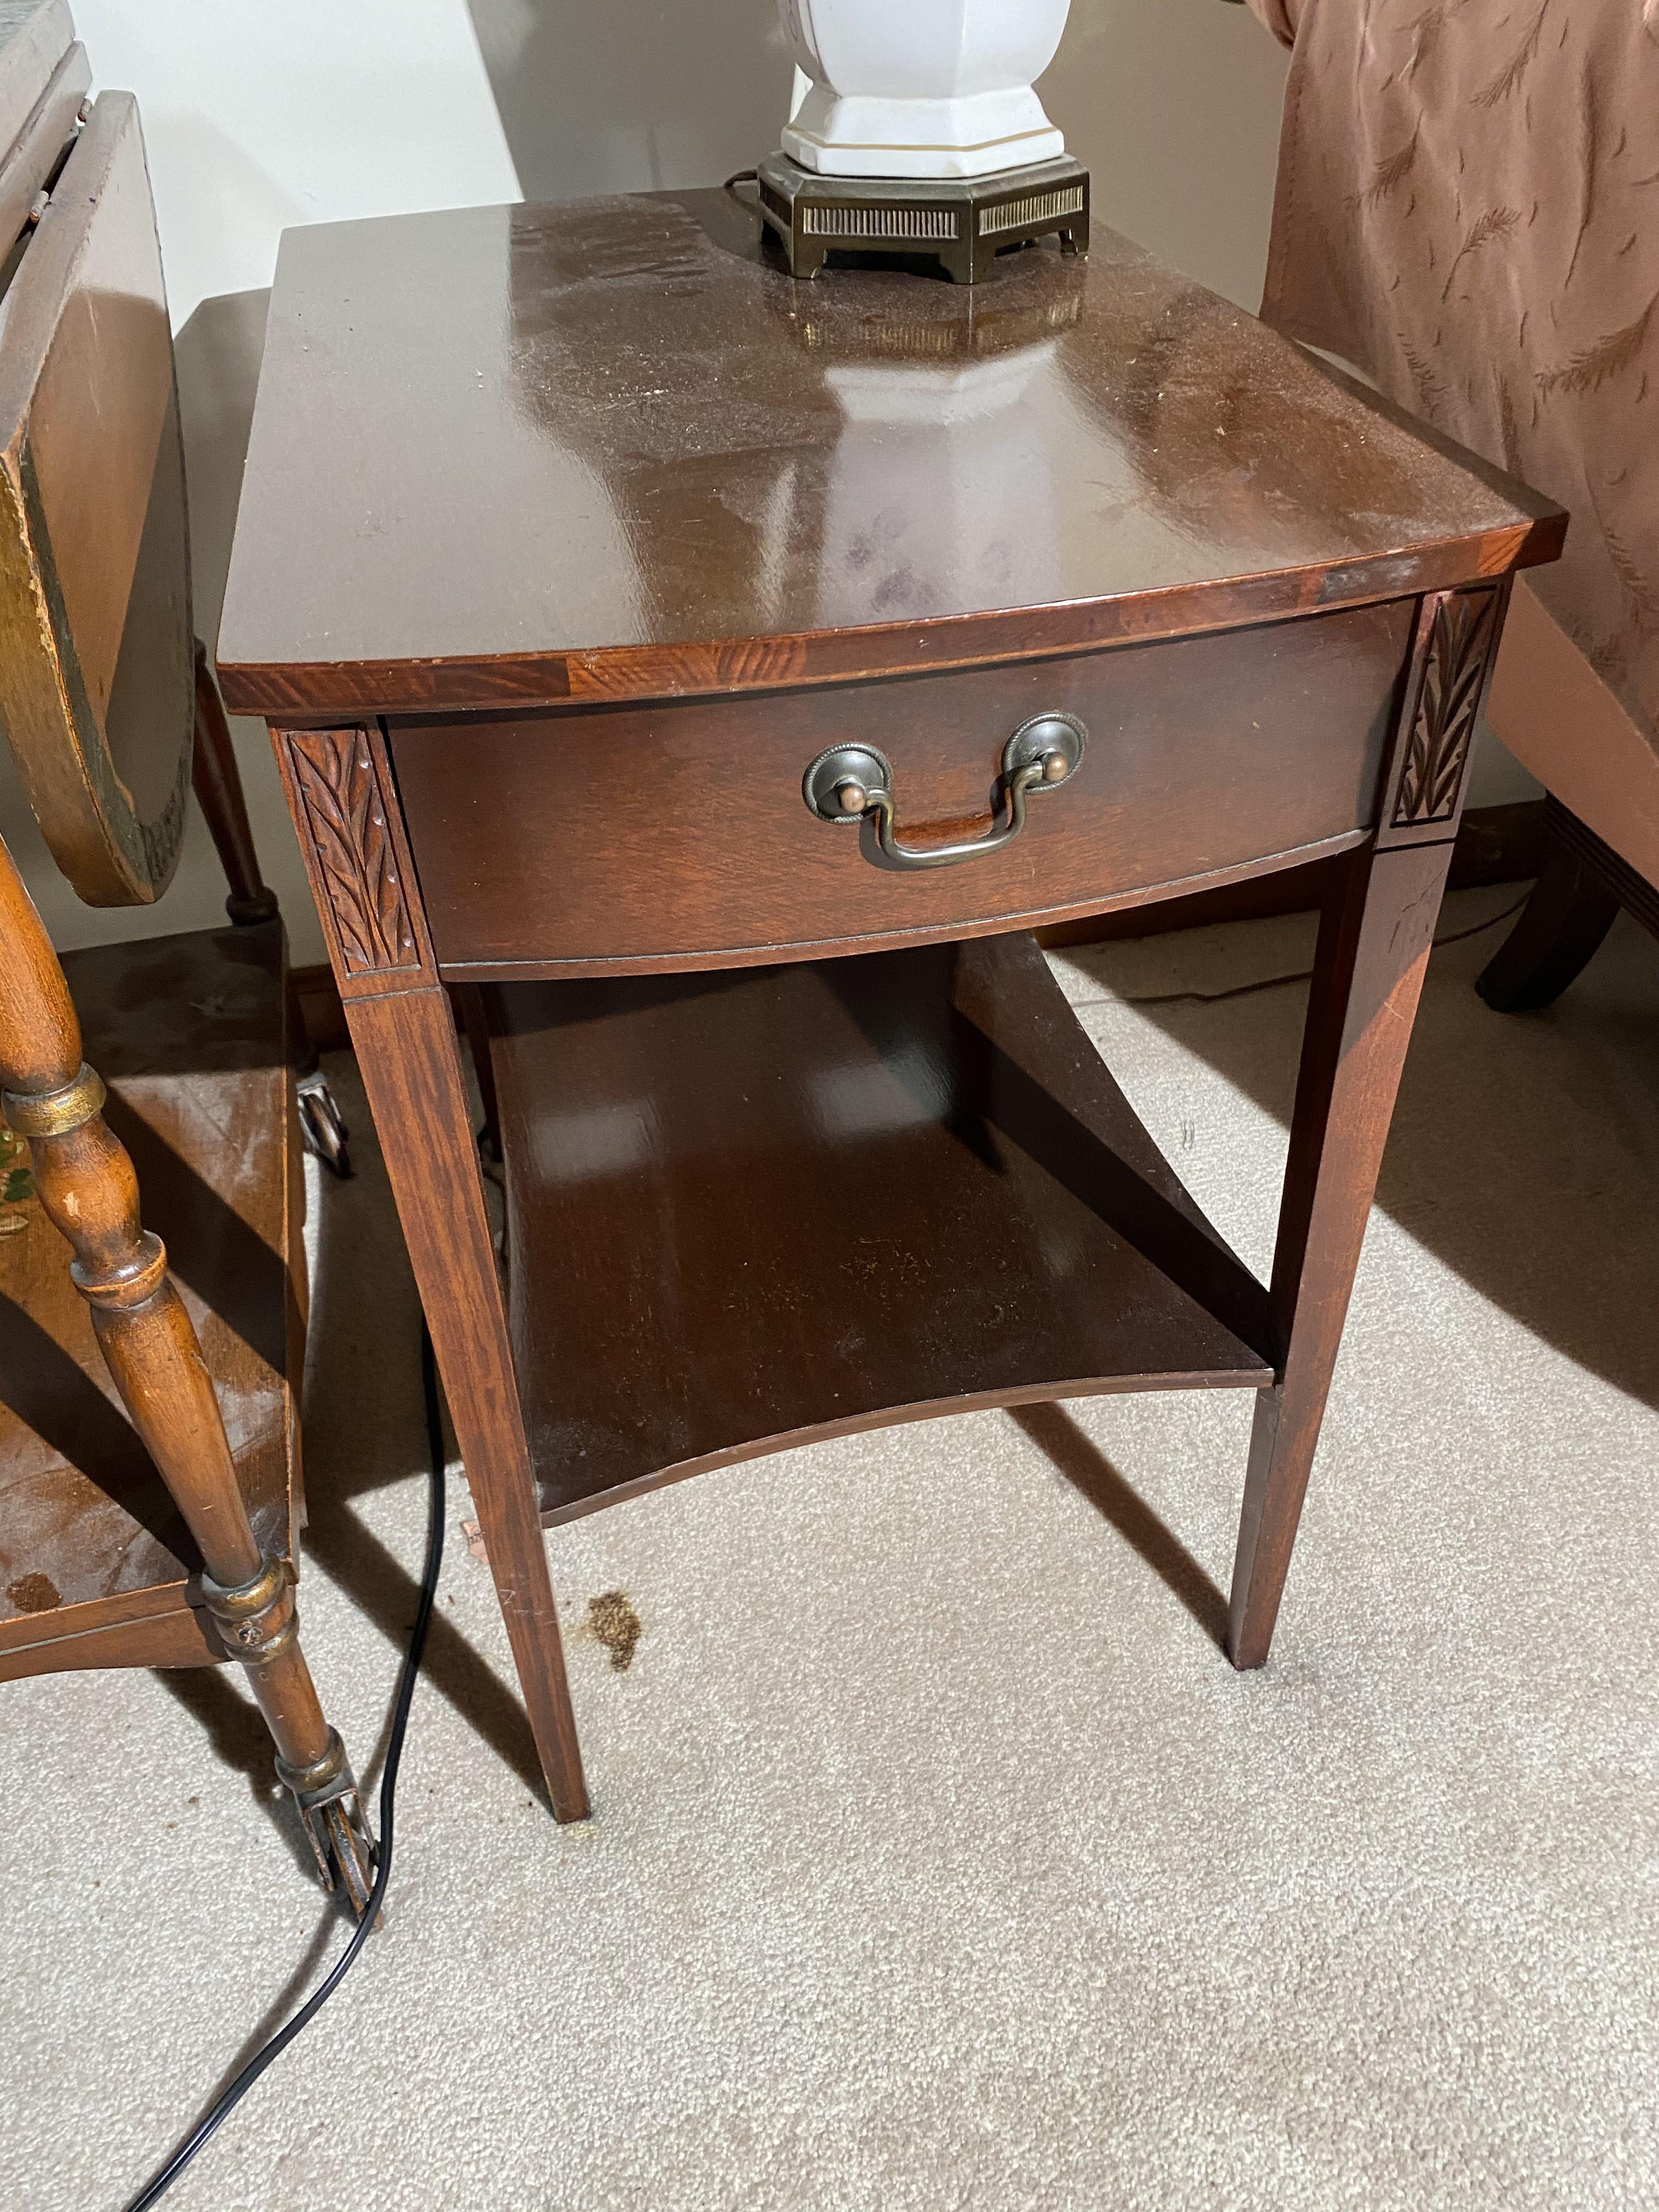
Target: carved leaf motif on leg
column 1442, row 727
column 346, row 811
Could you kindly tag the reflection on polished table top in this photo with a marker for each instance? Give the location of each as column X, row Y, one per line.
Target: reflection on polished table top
column 579, row 546
column 593, row 450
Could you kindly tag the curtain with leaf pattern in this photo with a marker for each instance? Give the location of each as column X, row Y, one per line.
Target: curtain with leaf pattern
column 1467, row 209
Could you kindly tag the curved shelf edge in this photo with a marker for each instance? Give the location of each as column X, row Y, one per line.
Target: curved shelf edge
column 748, row 1209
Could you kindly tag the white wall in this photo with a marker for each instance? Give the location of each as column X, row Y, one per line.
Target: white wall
column 263, row 114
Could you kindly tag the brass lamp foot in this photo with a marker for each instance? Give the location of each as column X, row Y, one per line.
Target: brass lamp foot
column 963, row 222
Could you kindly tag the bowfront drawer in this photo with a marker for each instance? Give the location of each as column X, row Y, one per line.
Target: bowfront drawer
column 680, row 834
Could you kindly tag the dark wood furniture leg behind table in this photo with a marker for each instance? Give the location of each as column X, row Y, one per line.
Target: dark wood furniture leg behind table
column 1583, row 887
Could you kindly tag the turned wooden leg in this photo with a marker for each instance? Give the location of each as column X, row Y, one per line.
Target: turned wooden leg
column 468, row 1001
column 408, row 1054
column 1374, row 940
column 217, row 783
column 1572, row 907
column 89, row 1191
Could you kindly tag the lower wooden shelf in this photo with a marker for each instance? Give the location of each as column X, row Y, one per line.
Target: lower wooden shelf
column 752, row 1207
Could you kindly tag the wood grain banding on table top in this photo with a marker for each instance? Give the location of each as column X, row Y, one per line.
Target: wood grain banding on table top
column 323, row 690
column 748, row 1208
column 702, row 481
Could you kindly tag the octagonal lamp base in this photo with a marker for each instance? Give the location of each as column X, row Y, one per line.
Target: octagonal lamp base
column 964, row 223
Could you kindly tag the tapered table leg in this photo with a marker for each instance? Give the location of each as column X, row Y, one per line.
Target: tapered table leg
column 343, row 799
column 408, row 1054
column 1374, row 943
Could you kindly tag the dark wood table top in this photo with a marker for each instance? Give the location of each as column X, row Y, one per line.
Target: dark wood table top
column 610, row 449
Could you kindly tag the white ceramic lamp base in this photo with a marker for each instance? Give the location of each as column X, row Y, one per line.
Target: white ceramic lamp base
column 856, row 135
column 922, row 88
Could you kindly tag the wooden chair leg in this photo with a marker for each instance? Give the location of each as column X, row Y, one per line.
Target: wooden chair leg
column 217, row 783
column 408, row 1055
column 89, row 1191
column 468, row 999
column 1374, row 940
column 1572, row 908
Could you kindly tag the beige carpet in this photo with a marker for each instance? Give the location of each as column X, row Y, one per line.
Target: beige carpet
column 940, row 1859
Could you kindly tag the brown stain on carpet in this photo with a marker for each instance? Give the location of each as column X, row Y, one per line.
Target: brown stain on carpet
column 612, row 1621
column 35, row 1594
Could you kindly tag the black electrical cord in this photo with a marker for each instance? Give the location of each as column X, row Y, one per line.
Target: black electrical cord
column 157, row 2188
column 1305, row 974
column 153, row 2192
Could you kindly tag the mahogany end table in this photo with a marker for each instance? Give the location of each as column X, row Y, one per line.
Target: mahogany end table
column 713, row 681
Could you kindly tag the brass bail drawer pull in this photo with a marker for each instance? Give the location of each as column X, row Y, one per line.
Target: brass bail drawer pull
column 849, row 783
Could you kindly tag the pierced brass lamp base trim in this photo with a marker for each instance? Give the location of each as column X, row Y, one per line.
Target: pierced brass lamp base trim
column 964, row 223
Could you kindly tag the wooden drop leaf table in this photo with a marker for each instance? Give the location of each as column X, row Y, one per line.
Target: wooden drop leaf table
column 712, row 681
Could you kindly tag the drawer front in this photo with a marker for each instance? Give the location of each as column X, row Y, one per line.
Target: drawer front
column 678, row 835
